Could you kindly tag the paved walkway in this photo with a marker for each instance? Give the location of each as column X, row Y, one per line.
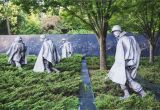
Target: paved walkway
column 86, row 98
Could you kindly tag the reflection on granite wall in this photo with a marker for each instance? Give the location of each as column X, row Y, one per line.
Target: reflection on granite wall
column 82, row 43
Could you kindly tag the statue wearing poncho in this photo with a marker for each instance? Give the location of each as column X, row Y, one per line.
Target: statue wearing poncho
column 127, row 55
column 126, row 63
column 17, row 53
column 66, row 49
column 47, row 57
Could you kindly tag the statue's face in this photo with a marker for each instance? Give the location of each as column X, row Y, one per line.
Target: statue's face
column 116, row 33
column 41, row 39
column 18, row 39
column 63, row 41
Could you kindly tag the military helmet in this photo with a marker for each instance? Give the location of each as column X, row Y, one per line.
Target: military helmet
column 116, row 28
column 18, row 38
column 42, row 36
column 63, row 39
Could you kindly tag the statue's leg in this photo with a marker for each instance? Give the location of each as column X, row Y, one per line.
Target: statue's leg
column 47, row 66
column 56, row 70
column 18, row 64
column 135, row 85
column 13, row 63
column 44, row 62
column 52, row 68
column 125, row 90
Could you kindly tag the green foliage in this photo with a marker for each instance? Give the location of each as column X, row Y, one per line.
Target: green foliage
column 80, row 31
column 122, row 16
column 150, row 72
column 134, row 102
column 30, row 24
column 70, row 64
column 27, row 5
column 140, row 16
column 102, row 86
column 72, row 22
column 61, row 28
column 93, row 62
column 107, row 93
column 20, row 22
column 24, row 89
column 9, row 12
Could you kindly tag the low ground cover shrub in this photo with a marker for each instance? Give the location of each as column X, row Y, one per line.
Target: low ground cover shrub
column 25, row 89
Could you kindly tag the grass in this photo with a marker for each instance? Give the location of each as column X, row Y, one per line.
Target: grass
column 107, row 93
column 25, row 90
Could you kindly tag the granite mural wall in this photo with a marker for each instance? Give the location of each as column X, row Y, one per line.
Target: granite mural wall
column 82, row 43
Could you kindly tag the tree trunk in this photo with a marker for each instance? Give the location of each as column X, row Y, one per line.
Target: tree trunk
column 8, row 26
column 151, row 53
column 102, row 43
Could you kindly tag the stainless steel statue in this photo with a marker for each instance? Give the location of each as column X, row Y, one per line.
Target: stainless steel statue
column 126, row 63
column 66, row 49
column 17, row 53
column 47, row 57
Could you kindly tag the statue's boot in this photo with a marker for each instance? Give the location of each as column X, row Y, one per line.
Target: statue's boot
column 56, row 70
column 137, row 88
column 126, row 92
column 20, row 68
column 48, row 70
column 142, row 93
column 123, row 98
column 18, row 65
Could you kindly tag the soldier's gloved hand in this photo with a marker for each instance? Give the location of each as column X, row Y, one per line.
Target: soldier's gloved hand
column 132, row 67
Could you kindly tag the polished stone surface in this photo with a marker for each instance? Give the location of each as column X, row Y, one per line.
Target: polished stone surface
column 82, row 43
column 86, row 97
